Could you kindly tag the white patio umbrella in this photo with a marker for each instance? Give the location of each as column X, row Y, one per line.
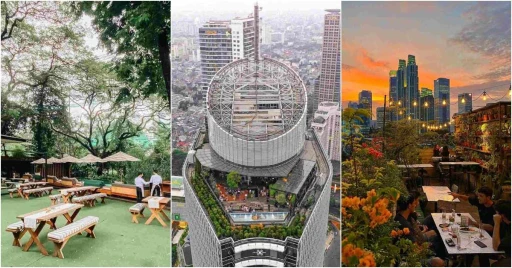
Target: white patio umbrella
column 90, row 159
column 38, row 161
column 121, row 157
column 68, row 159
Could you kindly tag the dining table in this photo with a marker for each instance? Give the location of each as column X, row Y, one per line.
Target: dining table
column 156, row 205
column 78, row 191
column 35, row 221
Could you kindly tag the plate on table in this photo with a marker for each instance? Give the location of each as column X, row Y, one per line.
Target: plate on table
column 444, row 225
column 468, row 229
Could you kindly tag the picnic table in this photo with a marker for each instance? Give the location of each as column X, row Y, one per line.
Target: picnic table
column 436, row 193
column 79, row 191
column 463, row 163
column 28, row 185
column 468, row 246
column 156, row 205
column 36, row 220
column 17, row 179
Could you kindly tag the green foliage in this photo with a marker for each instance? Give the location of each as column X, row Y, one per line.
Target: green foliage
column 233, row 179
column 174, row 255
column 281, row 198
column 223, row 227
column 272, row 190
column 178, row 158
column 18, row 152
column 140, row 31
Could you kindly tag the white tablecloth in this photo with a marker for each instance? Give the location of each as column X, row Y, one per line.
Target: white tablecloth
column 31, row 221
column 154, row 202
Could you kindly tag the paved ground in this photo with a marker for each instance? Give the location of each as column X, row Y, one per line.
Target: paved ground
column 119, row 242
column 332, row 254
column 178, row 207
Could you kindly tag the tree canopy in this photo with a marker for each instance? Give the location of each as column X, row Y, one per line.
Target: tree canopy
column 139, row 33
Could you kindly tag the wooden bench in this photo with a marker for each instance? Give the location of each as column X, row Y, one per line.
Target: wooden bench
column 62, row 235
column 90, row 199
column 37, row 191
column 18, row 230
column 12, row 192
column 54, row 198
column 137, row 210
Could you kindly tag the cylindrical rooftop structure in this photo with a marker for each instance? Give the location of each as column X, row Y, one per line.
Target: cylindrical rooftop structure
column 256, row 112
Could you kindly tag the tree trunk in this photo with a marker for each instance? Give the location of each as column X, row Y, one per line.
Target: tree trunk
column 164, row 55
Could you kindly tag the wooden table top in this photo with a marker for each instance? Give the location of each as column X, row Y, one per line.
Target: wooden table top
column 78, row 189
column 459, row 163
column 436, row 193
column 163, row 200
column 416, row 166
column 56, row 210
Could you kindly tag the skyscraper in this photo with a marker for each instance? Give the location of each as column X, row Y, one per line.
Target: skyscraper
column 329, row 89
column 442, row 100
column 426, row 107
column 393, row 86
column 465, row 103
column 411, row 93
column 327, row 126
column 256, row 127
column 401, row 80
column 221, row 42
column 353, row 105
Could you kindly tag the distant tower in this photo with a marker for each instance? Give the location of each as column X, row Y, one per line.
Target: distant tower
column 412, row 92
column 442, row 100
column 329, row 89
column 465, row 103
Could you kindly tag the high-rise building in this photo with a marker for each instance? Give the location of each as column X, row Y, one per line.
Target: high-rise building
column 426, row 92
column 412, row 92
column 329, row 89
column 353, row 105
column 393, row 86
column 380, row 116
column 266, row 34
column 465, row 103
column 221, row 42
column 327, row 126
column 366, row 100
column 442, row 100
column 401, row 80
column 426, row 107
column 256, row 127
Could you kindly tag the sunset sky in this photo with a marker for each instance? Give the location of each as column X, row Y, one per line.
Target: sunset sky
column 467, row 42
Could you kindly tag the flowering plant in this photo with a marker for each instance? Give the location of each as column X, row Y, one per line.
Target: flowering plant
column 370, row 235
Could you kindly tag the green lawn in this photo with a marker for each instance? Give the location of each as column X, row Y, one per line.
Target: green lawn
column 119, row 242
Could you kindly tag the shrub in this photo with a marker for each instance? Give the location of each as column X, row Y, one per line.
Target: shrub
column 281, row 198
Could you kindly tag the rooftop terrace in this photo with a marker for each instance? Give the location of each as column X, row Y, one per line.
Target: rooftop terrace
column 119, row 242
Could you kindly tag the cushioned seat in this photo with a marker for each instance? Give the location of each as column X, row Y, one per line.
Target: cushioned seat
column 36, row 190
column 73, row 228
column 137, row 207
column 55, row 196
column 15, row 227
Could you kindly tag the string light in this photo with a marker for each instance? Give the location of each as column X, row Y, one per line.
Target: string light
column 409, row 118
column 414, row 103
column 426, row 104
column 463, row 100
column 444, row 102
column 485, row 96
column 399, row 102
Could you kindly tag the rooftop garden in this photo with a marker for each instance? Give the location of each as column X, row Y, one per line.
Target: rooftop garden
column 222, row 225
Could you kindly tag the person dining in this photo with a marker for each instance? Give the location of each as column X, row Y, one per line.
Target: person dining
column 501, row 232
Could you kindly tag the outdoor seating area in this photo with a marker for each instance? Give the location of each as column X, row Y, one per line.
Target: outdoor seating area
column 109, row 239
column 445, row 196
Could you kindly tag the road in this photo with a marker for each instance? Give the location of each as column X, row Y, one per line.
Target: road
column 179, row 208
column 332, row 254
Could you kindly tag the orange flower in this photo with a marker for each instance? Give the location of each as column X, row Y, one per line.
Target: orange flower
column 406, row 231
column 358, row 252
column 346, row 252
column 371, row 193
column 394, row 233
column 400, row 232
column 367, row 261
column 343, row 212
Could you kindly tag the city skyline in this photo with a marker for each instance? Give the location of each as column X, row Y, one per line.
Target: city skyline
column 459, row 53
